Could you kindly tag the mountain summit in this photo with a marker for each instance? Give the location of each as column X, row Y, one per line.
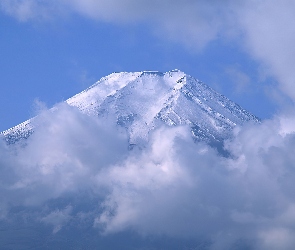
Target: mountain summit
column 143, row 101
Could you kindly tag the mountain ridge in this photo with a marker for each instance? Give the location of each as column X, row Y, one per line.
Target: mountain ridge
column 141, row 101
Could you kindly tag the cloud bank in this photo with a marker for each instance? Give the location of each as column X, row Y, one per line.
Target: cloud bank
column 76, row 172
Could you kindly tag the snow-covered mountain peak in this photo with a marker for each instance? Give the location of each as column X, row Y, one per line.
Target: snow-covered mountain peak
column 142, row 101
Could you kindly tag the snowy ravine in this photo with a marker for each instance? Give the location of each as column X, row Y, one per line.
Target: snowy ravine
column 142, row 101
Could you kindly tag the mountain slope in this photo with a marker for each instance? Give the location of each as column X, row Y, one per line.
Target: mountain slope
column 142, row 101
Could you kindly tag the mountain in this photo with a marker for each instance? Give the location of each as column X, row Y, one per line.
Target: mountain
column 143, row 101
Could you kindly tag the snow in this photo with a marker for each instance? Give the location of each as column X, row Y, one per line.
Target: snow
column 141, row 101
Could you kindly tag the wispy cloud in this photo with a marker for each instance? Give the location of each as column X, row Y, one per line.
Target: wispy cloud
column 269, row 35
column 27, row 10
column 263, row 29
column 240, row 80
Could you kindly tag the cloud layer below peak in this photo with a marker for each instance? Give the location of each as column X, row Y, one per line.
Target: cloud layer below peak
column 76, row 172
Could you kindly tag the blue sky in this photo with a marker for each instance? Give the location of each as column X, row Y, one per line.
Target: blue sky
column 51, row 51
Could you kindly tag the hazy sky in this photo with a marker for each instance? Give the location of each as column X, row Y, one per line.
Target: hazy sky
column 75, row 184
column 51, row 50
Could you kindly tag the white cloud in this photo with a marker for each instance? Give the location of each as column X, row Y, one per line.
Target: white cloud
column 263, row 29
column 25, row 10
column 76, row 170
column 239, row 79
column 58, row 218
column 269, row 37
column 67, row 150
column 278, row 238
column 193, row 23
